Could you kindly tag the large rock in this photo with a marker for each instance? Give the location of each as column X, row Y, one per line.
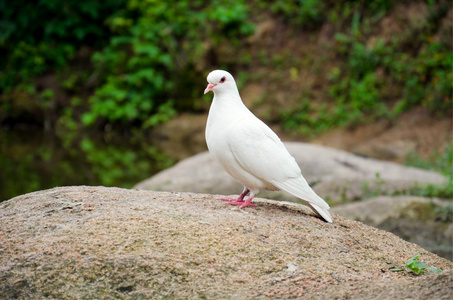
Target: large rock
column 336, row 175
column 424, row 221
column 104, row 243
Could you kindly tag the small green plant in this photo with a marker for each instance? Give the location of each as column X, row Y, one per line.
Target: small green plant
column 412, row 265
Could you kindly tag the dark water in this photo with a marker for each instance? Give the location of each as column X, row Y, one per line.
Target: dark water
column 32, row 160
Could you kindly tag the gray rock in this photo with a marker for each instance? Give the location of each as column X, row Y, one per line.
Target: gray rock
column 107, row 243
column 335, row 175
column 424, row 221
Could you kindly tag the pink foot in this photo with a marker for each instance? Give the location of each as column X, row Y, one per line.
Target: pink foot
column 231, row 200
column 241, row 203
column 237, row 201
column 240, row 200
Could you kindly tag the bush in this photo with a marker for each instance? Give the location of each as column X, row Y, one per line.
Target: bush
column 163, row 41
column 387, row 79
column 43, row 36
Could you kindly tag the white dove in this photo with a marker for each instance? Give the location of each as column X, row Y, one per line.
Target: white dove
column 250, row 151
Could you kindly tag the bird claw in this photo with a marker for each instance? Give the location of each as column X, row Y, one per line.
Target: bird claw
column 229, row 199
column 241, row 203
column 240, row 200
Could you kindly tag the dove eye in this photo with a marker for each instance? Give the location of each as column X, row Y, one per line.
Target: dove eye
column 222, row 80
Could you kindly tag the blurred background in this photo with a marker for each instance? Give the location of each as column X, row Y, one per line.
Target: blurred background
column 111, row 92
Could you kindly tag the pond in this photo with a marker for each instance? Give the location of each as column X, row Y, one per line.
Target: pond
column 33, row 159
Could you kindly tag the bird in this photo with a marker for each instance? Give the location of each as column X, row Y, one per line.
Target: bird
column 250, row 151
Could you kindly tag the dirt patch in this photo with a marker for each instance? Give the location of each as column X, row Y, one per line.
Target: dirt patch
column 96, row 242
column 415, row 131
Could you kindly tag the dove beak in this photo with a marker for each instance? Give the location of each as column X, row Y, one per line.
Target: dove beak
column 209, row 88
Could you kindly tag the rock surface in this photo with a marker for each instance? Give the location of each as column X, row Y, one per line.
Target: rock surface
column 336, row 175
column 99, row 243
column 424, row 221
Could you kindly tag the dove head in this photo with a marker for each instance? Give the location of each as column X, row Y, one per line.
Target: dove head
column 220, row 81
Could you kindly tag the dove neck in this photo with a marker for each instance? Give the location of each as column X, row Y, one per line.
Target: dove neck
column 230, row 101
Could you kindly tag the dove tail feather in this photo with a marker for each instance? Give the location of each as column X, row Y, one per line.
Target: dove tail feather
column 323, row 213
column 299, row 188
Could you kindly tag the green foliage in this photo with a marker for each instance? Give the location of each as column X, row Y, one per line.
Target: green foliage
column 305, row 13
column 380, row 79
column 416, row 267
column 149, row 52
column 425, row 79
column 439, row 162
column 309, row 14
column 355, row 98
column 38, row 36
column 373, row 75
column 153, row 51
column 306, row 119
column 376, row 79
column 443, row 191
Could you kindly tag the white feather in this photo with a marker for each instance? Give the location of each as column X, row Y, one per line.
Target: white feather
column 249, row 150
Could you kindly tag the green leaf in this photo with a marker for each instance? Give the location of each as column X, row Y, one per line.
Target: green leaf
column 88, row 119
column 435, row 270
column 412, row 260
column 396, row 270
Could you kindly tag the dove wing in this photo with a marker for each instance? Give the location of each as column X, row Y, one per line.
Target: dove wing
column 260, row 152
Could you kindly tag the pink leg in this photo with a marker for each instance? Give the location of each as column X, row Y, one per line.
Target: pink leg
column 240, row 200
column 248, row 202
